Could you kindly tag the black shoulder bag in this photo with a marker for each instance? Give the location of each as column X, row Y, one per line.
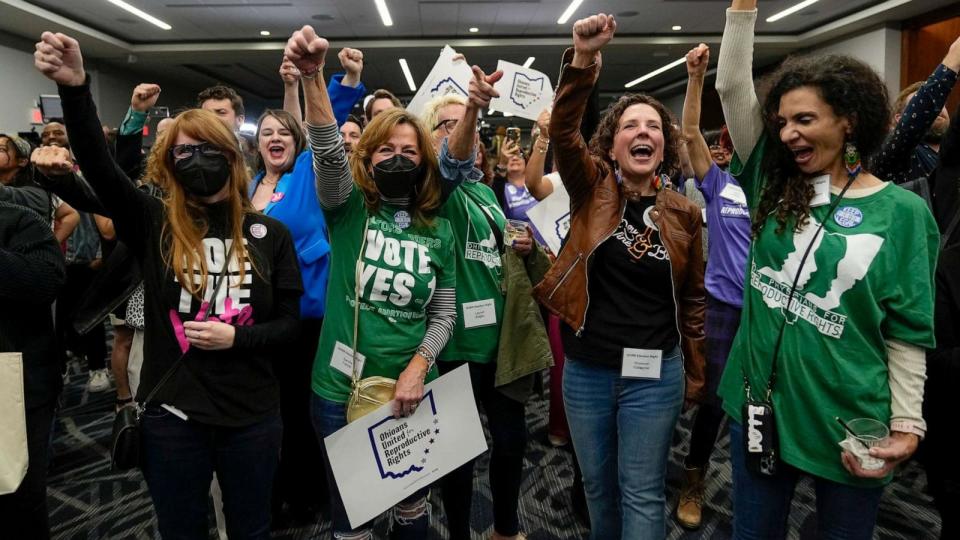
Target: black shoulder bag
column 125, row 442
column 760, row 439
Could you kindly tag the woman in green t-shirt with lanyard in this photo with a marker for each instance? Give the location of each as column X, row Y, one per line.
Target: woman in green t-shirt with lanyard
column 392, row 290
column 838, row 300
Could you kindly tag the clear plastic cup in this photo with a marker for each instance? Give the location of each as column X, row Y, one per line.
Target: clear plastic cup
column 513, row 230
column 867, row 433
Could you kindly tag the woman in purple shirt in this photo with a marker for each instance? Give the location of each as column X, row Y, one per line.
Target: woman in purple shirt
column 728, row 220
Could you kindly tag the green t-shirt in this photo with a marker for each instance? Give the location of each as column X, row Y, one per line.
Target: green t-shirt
column 401, row 270
column 868, row 278
column 479, row 294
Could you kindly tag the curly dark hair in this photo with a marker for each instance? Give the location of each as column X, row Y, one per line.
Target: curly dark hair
column 854, row 91
column 602, row 140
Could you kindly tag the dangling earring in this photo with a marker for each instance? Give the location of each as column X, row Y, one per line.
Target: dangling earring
column 616, row 172
column 851, row 158
column 660, row 179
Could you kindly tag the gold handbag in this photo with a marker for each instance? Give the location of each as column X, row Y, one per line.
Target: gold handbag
column 366, row 395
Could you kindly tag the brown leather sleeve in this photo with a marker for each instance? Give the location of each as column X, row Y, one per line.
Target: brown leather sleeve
column 693, row 304
column 578, row 171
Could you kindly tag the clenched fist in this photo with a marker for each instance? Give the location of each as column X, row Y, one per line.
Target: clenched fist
column 306, row 50
column 144, row 97
column 351, row 60
column 592, row 34
column 697, row 60
column 58, row 57
column 52, row 160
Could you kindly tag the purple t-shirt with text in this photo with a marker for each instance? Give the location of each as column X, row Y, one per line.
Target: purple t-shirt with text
column 728, row 220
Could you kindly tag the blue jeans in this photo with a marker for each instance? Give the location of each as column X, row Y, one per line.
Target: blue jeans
column 328, row 417
column 621, row 430
column 761, row 504
column 180, row 458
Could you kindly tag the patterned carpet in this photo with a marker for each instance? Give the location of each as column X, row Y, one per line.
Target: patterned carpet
column 88, row 501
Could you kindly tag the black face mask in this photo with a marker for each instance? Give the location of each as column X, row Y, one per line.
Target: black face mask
column 202, row 175
column 397, row 176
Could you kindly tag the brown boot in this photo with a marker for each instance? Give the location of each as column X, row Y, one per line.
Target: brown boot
column 690, row 507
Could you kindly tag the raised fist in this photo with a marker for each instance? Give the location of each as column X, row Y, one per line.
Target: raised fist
column 351, row 60
column 697, row 60
column 144, row 96
column 306, row 50
column 289, row 72
column 58, row 57
column 591, row 34
column 52, row 160
column 481, row 90
column 543, row 122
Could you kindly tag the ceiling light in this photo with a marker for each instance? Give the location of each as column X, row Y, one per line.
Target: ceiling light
column 676, row 28
column 790, row 10
column 140, row 13
column 474, row 29
column 569, row 11
column 407, row 74
column 384, row 12
column 656, row 72
column 529, row 62
column 264, row 32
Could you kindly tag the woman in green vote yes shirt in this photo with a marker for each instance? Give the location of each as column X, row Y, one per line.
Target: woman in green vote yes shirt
column 384, row 233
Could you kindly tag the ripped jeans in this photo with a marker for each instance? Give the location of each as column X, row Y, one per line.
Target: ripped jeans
column 409, row 520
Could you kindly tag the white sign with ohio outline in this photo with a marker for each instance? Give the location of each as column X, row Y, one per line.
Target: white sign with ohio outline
column 379, row 461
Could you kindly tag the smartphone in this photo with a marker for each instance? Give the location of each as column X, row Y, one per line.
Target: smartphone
column 513, row 134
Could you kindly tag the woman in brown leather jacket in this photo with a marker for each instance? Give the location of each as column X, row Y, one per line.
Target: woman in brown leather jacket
column 629, row 286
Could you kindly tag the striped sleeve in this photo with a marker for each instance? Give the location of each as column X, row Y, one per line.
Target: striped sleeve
column 441, row 317
column 334, row 182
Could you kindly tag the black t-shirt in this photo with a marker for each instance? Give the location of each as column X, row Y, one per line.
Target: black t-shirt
column 630, row 288
column 232, row 387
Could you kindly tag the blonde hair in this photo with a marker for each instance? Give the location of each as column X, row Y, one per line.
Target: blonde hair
column 185, row 223
column 431, row 111
column 426, row 199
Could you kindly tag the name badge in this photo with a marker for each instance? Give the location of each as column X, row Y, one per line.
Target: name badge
column 821, row 191
column 342, row 360
column 641, row 363
column 479, row 313
column 734, row 193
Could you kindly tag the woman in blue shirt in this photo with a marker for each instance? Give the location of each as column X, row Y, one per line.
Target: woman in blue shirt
column 283, row 188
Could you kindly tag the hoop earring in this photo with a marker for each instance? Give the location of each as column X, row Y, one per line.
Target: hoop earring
column 851, row 159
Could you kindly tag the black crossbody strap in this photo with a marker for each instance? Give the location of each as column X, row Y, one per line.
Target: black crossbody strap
column 206, row 312
column 793, row 289
column 950, row 229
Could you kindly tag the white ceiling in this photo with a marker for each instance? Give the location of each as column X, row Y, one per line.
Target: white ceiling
column 219, row 39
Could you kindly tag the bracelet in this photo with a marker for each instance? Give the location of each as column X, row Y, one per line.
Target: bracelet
column 428, row 356
column 311, row 75
column 120, row 402
column 543, row 148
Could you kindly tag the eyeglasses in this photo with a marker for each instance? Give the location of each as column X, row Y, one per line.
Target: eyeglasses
column 449, row 125
column 184, row 151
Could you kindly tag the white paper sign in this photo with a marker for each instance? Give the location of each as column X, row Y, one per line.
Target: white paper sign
column 378, row 461
column 523, row 91
column 446, row 77
column 551, row 217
